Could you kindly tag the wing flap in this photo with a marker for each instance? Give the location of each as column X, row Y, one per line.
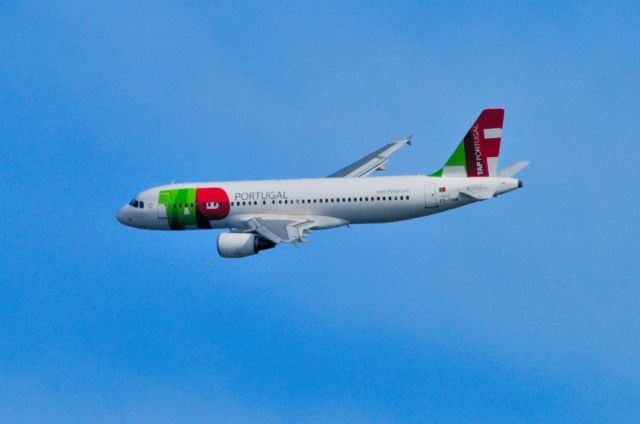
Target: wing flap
column 282, row 230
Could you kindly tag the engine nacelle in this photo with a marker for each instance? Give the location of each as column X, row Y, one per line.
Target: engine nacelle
column 239, row 245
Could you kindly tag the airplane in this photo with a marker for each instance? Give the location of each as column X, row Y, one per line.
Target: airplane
column 262, row 214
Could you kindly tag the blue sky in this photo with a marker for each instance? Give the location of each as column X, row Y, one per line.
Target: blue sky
column 523, row 308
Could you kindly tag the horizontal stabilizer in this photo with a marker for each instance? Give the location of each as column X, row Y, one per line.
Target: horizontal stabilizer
column 479, row 192
column 512, row 170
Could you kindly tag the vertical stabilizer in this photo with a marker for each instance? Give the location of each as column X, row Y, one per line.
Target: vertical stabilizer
column 478, row 152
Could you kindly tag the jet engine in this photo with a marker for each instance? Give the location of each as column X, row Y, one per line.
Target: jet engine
column 239, row 245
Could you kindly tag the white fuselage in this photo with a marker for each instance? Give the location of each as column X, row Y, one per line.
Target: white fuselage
column 330, row 201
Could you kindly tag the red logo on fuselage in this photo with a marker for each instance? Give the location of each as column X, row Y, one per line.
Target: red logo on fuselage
column 212, row 205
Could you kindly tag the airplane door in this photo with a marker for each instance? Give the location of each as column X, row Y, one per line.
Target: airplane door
column 430, row 200
column 162, row 205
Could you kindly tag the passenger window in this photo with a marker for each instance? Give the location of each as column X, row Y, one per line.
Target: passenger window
column 395, row 198
column 407, row 197
column 280, row 201
column 343, row 200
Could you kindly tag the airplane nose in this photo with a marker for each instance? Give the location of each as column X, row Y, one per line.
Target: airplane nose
column 121, row 216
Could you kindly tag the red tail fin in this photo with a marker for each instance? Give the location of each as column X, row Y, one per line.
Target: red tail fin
column 482, row 144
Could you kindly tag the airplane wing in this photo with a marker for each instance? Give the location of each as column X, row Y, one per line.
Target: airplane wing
column 282, row 229
column 371, row 162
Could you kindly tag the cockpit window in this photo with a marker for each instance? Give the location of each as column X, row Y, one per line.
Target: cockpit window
column 136, row 204
column 141, row 204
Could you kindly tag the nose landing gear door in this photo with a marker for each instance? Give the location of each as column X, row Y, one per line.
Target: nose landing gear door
column 163, row 200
